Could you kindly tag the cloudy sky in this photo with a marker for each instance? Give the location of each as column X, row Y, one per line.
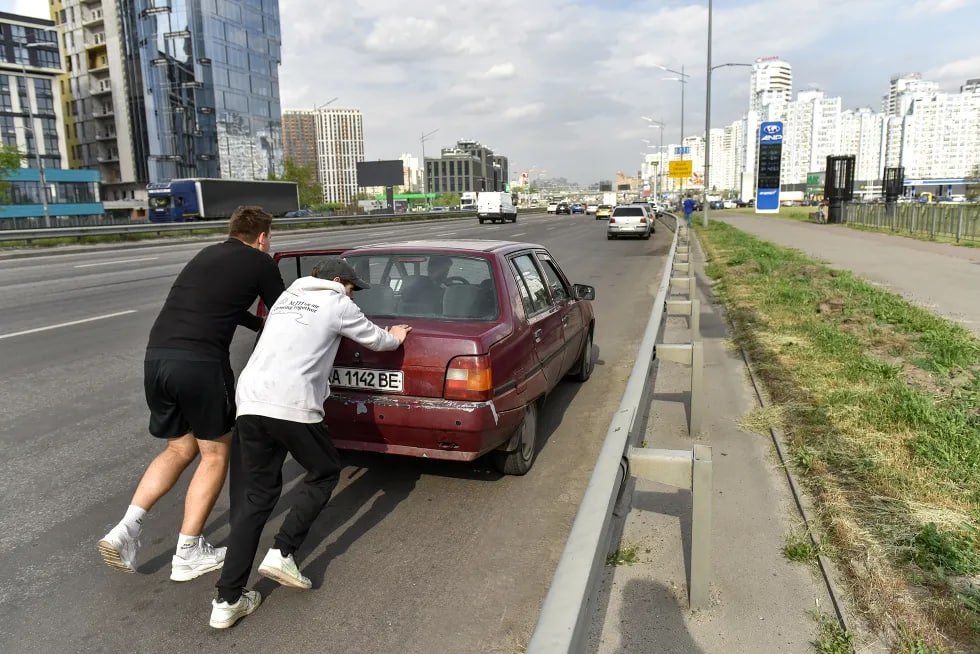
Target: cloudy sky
column 559, row 85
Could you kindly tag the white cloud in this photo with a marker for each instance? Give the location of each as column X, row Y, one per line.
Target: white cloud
column 937, row 6
column 951, row 75
column 500, row 71
column 400, row 35
column 523, row 111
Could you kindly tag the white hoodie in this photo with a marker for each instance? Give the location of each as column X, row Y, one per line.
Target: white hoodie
column 287, row 375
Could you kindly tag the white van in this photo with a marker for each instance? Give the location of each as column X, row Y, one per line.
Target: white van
column 494, row 206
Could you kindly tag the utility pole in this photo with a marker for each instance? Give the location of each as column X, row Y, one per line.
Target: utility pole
column 425, row 168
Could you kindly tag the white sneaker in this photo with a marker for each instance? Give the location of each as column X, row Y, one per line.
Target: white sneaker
column 283, row 569
column 196, row 561
column 224, row 615
column 118, row 549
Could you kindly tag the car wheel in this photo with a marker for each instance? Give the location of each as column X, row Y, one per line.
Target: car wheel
column 481, row 221
column 521, row 459
column 610, row 237
column 582, row 369
column 646, row 237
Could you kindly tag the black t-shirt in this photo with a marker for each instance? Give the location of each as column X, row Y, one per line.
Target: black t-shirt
column 212, row 296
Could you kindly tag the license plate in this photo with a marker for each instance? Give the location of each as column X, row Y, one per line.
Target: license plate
column 371, row 380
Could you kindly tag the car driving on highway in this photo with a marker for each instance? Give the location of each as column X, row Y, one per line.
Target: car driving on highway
column 496, row 325
column 630, row 220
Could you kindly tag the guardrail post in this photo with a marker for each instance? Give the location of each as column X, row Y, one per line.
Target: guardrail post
column 690, row 308
column 688, row 354
column 690, row 470
column 701, row 489
column 959, row 223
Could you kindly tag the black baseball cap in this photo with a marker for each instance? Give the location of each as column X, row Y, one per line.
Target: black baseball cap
column 332, row 267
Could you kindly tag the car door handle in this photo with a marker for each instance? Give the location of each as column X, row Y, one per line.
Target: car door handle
column 537, row 335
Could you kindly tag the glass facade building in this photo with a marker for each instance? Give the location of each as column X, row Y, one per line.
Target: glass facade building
column 210, row 75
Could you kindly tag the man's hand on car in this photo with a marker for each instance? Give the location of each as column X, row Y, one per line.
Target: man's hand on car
column 399, row 332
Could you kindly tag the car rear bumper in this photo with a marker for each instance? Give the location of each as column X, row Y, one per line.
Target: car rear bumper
column 414, row 426
column 628, row 229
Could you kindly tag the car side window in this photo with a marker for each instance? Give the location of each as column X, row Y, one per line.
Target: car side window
column 535, row 292
column 559, row 290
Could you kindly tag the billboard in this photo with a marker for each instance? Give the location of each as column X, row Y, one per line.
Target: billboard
column 605, row 186
column 682, row 169
column 380, row 173
column 770, row 163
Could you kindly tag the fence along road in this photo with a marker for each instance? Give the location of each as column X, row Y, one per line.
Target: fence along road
column 958, row 221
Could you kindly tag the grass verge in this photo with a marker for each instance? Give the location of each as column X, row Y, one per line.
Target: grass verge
column 831, row 639
column 880, row 403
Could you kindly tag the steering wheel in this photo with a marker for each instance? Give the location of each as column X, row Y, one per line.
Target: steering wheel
column 456, row 279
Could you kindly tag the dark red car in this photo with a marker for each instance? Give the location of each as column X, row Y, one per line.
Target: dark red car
column 496, row 326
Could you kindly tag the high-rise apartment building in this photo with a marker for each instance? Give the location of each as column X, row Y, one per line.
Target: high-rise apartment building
column 299, row 138
column 156, row 91
column 411, row 172
column 771, row 82
column 902, row 89
column 339, row 146
column 31, row 121
column 941, row 136
column 863, row 135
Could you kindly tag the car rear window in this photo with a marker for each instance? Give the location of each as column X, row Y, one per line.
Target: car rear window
column 426, row 285
column 628, row 211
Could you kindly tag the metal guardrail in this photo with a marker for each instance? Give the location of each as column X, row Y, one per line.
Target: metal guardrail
column 564, row 618
column 162, row 229
column 959, row 221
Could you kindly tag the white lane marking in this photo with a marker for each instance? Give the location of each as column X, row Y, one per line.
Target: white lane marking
column 445, row 233
column 67, row 324
column 519, row 234
column 109, row 263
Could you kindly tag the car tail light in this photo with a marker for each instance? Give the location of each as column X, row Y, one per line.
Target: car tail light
column 468, row 378
column 643, row 220
column 612, row 221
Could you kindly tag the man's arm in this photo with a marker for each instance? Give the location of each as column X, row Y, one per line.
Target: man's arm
column 270, row 282
column 355, row 326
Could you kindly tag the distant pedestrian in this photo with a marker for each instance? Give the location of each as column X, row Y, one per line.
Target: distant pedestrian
column 689, row 205
column 280, row 410
column 190, row 388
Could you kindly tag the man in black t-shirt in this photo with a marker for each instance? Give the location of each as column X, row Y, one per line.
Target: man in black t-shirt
column 190, row 387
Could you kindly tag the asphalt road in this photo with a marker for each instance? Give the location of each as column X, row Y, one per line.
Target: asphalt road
column 411, row 555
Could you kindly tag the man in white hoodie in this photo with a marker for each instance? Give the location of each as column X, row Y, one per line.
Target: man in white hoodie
column 280, row 410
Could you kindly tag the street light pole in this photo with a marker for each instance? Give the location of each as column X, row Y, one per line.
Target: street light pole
column 425, row 168
column 707, row 125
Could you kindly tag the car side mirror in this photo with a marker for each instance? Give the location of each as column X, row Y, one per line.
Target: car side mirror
column 584, row 292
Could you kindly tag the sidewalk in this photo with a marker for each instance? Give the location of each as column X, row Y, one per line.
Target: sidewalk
column 761, row 602
column 940, row 277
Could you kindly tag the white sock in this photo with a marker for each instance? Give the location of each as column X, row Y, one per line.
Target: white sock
column 186, row 544
column 133, row 520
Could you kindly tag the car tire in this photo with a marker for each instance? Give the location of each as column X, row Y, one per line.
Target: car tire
column 610, row 237
column 583, row 367
column 646, row 237
column 513, row 218
column 482, row 221
column 519, row 461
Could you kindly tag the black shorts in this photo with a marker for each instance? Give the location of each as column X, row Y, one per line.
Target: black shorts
column 189, row 396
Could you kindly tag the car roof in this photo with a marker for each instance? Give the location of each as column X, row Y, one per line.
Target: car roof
column 434, row 245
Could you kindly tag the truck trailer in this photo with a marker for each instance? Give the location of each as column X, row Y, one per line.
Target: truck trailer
column 181, row 200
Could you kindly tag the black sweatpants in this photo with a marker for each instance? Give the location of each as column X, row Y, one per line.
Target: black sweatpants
column 262, row 444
